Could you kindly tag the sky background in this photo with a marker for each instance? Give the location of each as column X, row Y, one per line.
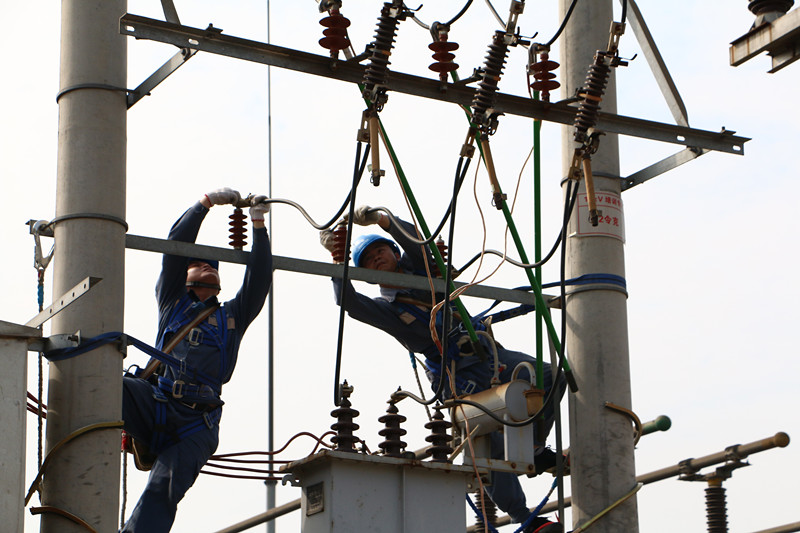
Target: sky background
column 710, row 250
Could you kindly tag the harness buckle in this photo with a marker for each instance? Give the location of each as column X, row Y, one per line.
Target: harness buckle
column 469, row 387
column 195, row 336
column 177, row 389
column 207, row 420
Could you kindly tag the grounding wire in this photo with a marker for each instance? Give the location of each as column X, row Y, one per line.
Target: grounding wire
column 357, row 170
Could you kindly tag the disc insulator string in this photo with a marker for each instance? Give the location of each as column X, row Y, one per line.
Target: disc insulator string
column 335, row 32
column 238, row 231
column 443, row 55
column 543, row 74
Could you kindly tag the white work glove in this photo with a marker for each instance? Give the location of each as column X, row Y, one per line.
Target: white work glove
column 225, row 195
column 362, row 217
column 258, row 208
column 327, row 239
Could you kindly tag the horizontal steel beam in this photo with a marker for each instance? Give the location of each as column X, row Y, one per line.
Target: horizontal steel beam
column 289, row 264
column 212, row 40
column 779, row 38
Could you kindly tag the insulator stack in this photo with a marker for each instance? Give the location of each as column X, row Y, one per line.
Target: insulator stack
column 392, row 446
column 344, row 427
column 335, row 32
column 238, row 231
column 443, row 55
column 339, row 252
column 489, row 512
column 375, row 75
column 492, row 70
column 442, row 247
column 591, row 95
column 716, row 514
column 545, row 79
column 439, row 438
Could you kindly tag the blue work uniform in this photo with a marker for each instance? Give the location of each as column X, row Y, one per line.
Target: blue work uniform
column 178, row 414
column 410, row 327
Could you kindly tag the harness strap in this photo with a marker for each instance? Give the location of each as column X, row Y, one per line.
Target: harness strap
column 177, row 338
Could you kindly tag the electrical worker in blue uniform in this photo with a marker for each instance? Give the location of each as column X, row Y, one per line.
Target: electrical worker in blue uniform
column 404, row 314
column 176, row 412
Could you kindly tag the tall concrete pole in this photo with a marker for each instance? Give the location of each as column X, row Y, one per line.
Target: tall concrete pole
column 601, row 440
column 82, row 477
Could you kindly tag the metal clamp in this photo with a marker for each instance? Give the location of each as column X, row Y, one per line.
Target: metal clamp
column 637, row 424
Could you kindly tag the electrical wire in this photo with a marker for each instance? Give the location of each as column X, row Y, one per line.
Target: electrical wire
column 495, row 13
column 357, row 172
column 551, row 396
column 458, row 15
column 517, row 263
column 563, row 23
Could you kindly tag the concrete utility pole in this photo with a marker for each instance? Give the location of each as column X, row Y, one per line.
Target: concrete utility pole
column 601, row 440
column 82, row 477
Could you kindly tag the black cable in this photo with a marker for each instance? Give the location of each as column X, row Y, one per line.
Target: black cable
column 563, row 23
column 624, row 11
column 458, row 15
column 448, row 274
column 413, row 16
column 357, row 171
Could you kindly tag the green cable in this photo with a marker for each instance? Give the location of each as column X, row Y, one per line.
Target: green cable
column 537, row 239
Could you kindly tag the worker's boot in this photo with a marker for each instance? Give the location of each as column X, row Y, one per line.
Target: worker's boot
column 542, row 525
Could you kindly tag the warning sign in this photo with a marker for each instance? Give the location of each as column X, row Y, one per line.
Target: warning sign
column 610, row 223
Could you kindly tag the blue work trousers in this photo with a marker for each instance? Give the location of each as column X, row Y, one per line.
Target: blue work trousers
column 177, row 465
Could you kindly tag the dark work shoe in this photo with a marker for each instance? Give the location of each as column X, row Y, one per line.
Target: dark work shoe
column 546, row 462
column 542, row 525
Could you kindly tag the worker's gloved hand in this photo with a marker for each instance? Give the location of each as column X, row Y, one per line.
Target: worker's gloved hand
column 364, row 217
column 327, row 239
column 258, row 208
column 226, row 195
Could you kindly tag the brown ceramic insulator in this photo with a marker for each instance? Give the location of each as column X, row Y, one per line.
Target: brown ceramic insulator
column 392, row 446
column 487, row 87
column 442, row 247
column 238, row 230
column 339, row 252
column 592, row 95
column 545, row 79
column 344, row 427
column 335, row 32
column 439, row 439
column 442, row 54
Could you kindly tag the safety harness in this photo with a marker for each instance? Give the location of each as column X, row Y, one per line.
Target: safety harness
column 173, row 378
column 458, row 344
